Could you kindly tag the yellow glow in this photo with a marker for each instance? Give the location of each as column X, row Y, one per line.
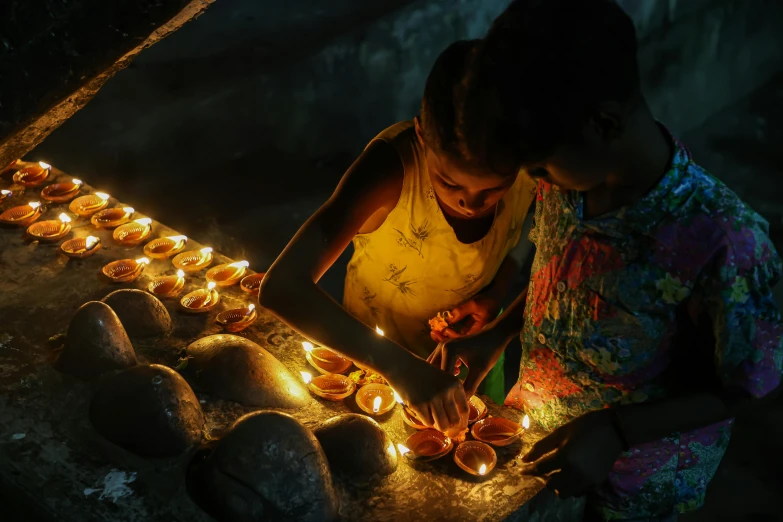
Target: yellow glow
column 376, row 404
column 64, row 218
column 402, row 449
column 145, row 222
column 240, row 264
column 211, row 285
column 5, row 192
column 378, row 331
column 180, row 274
column 178, row 239
column 104, row 196
column 483, row 469
column 397, row 397
column 90, row 242
column 206, row 250
column 34, row 205
column 76, row 181
column 250, row 308
column 308, row 346
column 143, row 261
column 44, row 165
column 129, row 210
column 526, row 422
column 306, row 377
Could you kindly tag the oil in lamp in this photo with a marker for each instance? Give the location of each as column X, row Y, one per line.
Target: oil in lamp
column 81, row 247
column 22, row 215
column 61, row 192
column 227, row 274
column 429, row 444
column 237, row 319
column 475, row 457
column 33, row 175
column 252, row 283
column 125, row 270
column 375, row 399
column 324, row 360
column 202, row 300
column 131, row 234
column 167, row 286
column 194, row 260
column 329, row 386
column 50, row 230
column 85, row 206
column 499, row 431
column 165, row 247
column 112, row 217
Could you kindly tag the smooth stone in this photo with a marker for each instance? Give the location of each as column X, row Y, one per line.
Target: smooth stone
column 142, row 314
column 267, row 467
column 234, row 368
column 149, row 410
column 357, row 447
column 95, row 343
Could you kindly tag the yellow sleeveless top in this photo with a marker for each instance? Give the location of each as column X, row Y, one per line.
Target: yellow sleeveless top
column 413, row 266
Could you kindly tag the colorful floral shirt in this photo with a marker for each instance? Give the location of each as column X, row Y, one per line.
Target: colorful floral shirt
column 600, row 321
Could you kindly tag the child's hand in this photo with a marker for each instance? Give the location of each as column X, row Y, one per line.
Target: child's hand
column 475, row 314
column 577, row 455
column 478, row 352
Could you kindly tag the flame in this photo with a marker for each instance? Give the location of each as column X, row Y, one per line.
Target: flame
column 526, row 422
column 306, row 377
column 90, row 242
column 180, row 274
column 64, row 218
column 142, row 261
column 397, row 397
column 376, row 404
column 402, row 449
column 145, row 222
column 76, row 181
column 308, row 346
column 104, row 196
column 5, row 192
column 44, row 165
column 206, row 250
column 178, row 239
column 129, row 210
column 211, row 286
column 250, row 308
column 240, row 264
column 483, row 469
column 34, row 205
column 379, row 331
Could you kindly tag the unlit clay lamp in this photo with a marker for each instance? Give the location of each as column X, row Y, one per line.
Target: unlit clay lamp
column 125, row 270
column 324, row 360
column 22, row 215
column 112, row 217
column 88, row 205
column 411, row 420
column 331, row 387
column 237, row 319
column 227, row 274
column 475, row 457
column 499, row 431
column 51, row 230
column 252, row 283
column 375, row 399
column 33, row 175
column 478, row 410
column 165, row 247
column 167, row 286
column 7, row 194
column 426, row 445
column 61, row 192
column 194, row 260
column 81, row 247
column 200, row 301
column 131, row 234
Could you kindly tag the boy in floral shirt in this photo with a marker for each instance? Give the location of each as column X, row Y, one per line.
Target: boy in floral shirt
column 649, row 318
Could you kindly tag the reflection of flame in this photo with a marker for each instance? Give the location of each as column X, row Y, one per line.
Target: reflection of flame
column 390, row 450
column 376, row 404
column 44, row 165
column 211, row 286
column 306, row 377
column 526, row 422
column 397, row 397
column 76, row 181
column 308, row 346
column 180, row 274
column 239, row 264
column 64, row 218
column 129, row 210
column 378, row 331
column 483, row 469
column 142, row 261
column 90, row 242
column 104, row 196
column 5, row 192
column 145, row 222
column 34, row 205
column 402, row 449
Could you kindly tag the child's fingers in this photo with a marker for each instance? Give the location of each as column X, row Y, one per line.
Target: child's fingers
column 549, row 443
column 437, row 336
column 450, row 333
column 543, row 466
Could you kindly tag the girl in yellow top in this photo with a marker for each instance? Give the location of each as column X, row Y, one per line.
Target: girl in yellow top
column 430, row 233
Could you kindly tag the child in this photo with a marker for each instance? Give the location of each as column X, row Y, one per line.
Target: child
column 430, row 234
column 637, row 247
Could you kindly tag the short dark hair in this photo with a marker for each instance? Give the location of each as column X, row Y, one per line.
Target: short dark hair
column 538, row 77
column 438, row 105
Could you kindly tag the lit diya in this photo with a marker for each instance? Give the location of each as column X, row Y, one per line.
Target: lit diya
column 88, row 205
column 200, row 301
column 330, row 386
column 22, row 215
column 50, row 230
column 325, row 360
column 426, row 445
column 125, row 270
column 475, row 457
column 112, row 217
column 478, row 410
column 167, row 286
column 61, row 192
column 81, row 247
column 165, row 247
column 5, row 194
column 227, row 274
column 499, row 431
column 194, row 260
column 375, row 399
column 33, row 175
column 237, row 319
column 131, row 234
column 252, row 283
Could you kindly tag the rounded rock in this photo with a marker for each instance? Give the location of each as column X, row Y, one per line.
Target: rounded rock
column 148, row 410
column 357, row 447
column 142, row 314
column 267, row 467
column 95, row 343
column 234, row 368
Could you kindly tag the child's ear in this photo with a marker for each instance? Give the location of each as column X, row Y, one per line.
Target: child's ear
column 609, row 121
column 417, row 126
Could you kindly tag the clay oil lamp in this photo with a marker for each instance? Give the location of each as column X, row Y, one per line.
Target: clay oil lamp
column 165, row 247
column 33, row 175
column 330, row 386
column 375, row 399
column 252, row 283
column 22, row 215
column 125, row 270
column 167, row 286
column 81, row 247
column 478, row 410
column 51, row 230
column 227, row 274
column 112, row 217
column 237, row 319
column 426, row 445
column 12, row 167
column 5, row 194
column 62, row 192
column 324, row 360
column 499, row 431
column 85, row 206
column 475, row 457
column 411, row 420
column 194, row 260
column 131, row 234
column 201, row 301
